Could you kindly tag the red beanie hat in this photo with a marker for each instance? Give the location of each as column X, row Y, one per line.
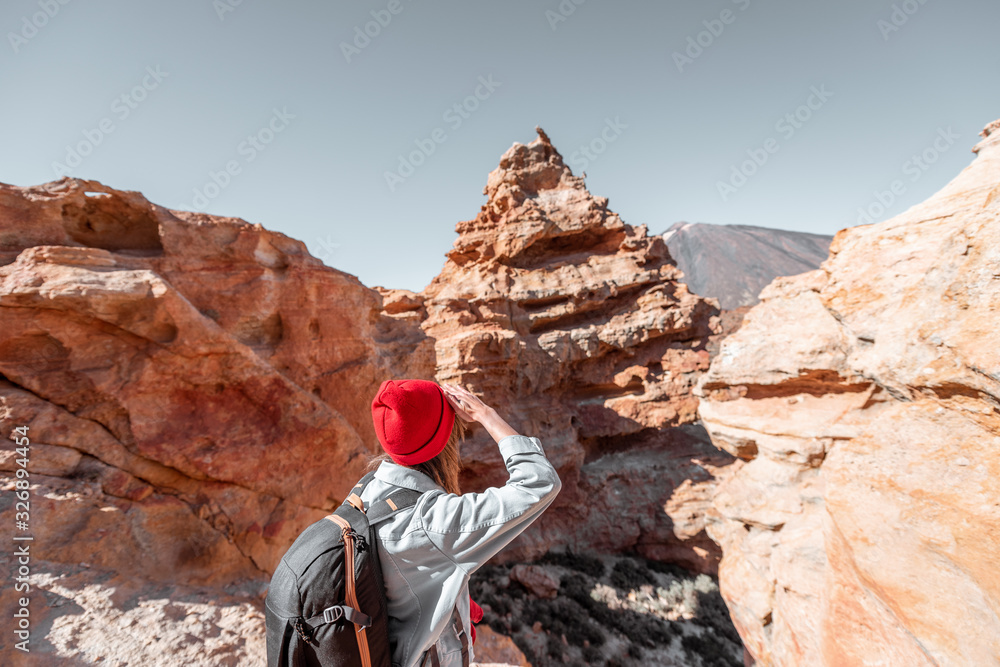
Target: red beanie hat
column 413, row 420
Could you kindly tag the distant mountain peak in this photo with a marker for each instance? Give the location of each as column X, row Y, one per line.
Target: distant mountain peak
column 733, row 263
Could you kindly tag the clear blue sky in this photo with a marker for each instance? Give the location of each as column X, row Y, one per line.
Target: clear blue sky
column 887, row 91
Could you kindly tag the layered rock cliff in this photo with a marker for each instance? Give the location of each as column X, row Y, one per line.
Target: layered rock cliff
column 574, row 325
column 196, row 390
column 863, row 523
column 193, row 391
column 182, row 363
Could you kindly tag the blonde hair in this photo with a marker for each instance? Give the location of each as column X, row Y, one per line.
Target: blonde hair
column 443, row 468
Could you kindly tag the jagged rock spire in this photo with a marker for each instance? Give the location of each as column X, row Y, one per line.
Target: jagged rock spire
column 536, row 211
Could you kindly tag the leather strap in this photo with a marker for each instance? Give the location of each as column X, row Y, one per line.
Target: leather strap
column 431, row 658
column 397, row 501
column 460, row 631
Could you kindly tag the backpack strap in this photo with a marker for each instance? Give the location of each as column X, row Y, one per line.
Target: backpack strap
column 354, row 497
column 460, row 631
column 337, row 612
column 397, row 501
column 431, row 658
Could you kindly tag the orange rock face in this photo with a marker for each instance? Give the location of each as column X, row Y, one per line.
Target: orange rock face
column 194, row 391
column 201, row 356
column 863, row 523
column 495, row 650
column 573, row 325
column 197, row 391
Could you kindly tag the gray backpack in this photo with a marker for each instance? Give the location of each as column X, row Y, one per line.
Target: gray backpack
column 326, row 604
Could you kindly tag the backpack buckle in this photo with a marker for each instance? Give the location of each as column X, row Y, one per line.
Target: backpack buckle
column 332, row 614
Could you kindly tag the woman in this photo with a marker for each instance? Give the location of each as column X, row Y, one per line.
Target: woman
column 429, row 551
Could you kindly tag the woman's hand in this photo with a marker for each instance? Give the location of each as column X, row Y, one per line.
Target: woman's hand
column 470, row 408
column 467, row 405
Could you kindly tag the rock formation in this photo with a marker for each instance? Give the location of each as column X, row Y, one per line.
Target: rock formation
column 197, row 390
column 733, row 263
column 194, row 389
column 496, row 650
column 574, row 325
column 862, row 525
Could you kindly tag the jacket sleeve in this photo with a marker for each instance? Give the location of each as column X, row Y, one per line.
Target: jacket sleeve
column 471, row 528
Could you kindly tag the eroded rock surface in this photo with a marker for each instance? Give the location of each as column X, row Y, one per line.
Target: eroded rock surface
column 574, row 325
column 197, row 391
column 189, row 383
column 863, row 523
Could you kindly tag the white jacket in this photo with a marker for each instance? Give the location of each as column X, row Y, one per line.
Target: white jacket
column 428, row 552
